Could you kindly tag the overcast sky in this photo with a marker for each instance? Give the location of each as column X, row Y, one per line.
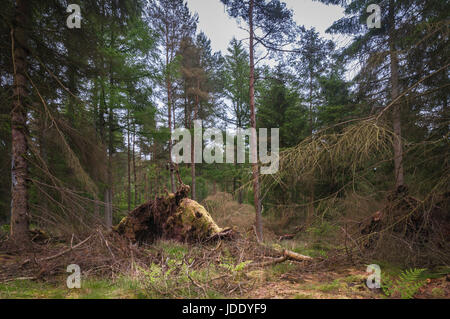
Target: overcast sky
column 220, row 28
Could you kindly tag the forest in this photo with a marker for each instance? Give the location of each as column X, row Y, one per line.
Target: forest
column 98, row 200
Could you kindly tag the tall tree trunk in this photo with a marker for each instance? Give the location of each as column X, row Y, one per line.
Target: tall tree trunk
column 240, row 193
column 102, row 131
column 239, row 173
column 146, row 187
column 19, row 193
column 95, row 104
column 109, row 197
column 173, row 116
column 71, row 86
column 128, row 162
column 186, row 114
column 43, row 153
column 169, row 110
column 193, row 190
column 396, row 113
column 310, row 213
column 108, row 207
column 134, row 168
column 255, row 169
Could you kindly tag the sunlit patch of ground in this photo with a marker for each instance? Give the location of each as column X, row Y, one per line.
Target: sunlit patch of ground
column 349, row 284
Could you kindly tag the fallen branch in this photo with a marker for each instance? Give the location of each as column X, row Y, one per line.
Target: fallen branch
column 227, row 233
column 197, row 284
column 274, row 261
column 19, row 278
column 285, row 255
column 66, row 250
column 106, row 242
column 295, row 256
column 291, row 236
column 347, row 235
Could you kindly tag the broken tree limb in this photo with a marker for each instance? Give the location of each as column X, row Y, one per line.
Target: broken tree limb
column 66, row 250
column 285, row 255
column 18, row 278
column 295, row 256
column 60, row 253
column 271, row 262
column 291, row 236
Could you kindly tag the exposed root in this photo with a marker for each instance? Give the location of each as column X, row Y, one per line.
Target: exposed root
column 408, row 226
column 173, row 217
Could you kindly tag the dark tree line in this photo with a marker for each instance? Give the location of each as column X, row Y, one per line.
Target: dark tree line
column 87, row 113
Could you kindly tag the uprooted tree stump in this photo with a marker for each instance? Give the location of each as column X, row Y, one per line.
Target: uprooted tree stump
column 405, row 219
column 173, row 216
column 179, row 218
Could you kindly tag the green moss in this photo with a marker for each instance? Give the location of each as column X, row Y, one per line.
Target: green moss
column 5, row 228
column 438, row 292
column 353, row 279
column 335, row 285
column 195, row 215
column 173, row 249
column 328, row 287
column 282, row 268
column 29, row 289
column 122, row 224
column 90, row 289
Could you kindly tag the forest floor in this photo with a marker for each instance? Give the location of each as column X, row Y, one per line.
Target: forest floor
column 224, row 278
column 112, row 268
column 287, row 286
column 283, row 281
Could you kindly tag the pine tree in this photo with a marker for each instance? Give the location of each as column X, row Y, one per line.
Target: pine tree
column 73, row 94
column 236, row 73
column 280, row 106
column 274, row 20
column 19, row 145
column 383, row 53
column 173, row 20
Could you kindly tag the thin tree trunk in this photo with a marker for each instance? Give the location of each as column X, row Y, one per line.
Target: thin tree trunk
column 255, row 169
column 102, row 124
column 95, row 103
column 146, row 187
column 134, row 168
column 396, row 114
column 240, row 192
column 193, row 190
column 108, row 207
column 173, row 116
column 169, row 111
column 311, row 129
column 19, row 193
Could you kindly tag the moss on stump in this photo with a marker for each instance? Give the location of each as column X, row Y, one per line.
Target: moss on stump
column 173, row 217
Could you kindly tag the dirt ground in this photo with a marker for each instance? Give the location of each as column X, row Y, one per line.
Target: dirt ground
column 112, row 267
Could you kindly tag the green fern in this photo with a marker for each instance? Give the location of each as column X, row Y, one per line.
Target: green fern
column 235, row 269
column 406, row 285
